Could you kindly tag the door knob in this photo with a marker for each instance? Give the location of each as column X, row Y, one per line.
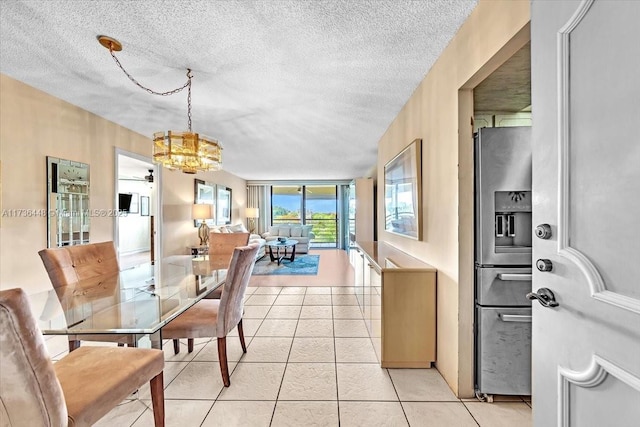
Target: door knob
column 544, row 296
column 543, row 231
column 544, row 265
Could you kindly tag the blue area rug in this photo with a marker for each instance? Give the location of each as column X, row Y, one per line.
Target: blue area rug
column 303, row 265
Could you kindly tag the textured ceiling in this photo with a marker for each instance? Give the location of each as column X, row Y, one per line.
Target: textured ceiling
column 292, row 89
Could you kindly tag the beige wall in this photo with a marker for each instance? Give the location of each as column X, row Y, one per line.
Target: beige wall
column 178, row 229
column 33, row 125
column 432, row 114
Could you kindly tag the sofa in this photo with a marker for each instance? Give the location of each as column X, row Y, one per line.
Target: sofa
column 240, row 228
column 299, row 232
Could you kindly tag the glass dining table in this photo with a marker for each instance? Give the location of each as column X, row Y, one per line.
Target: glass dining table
column 137, row 301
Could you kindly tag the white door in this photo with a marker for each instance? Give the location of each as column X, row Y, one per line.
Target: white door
column 586, row 184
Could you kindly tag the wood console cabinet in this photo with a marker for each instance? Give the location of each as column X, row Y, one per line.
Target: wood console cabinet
column 397, row 296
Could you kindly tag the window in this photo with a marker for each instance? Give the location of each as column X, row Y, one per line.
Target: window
column 286, row 204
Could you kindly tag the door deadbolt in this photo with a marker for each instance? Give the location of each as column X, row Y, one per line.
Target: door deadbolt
column 543, row 231
column 544, row 265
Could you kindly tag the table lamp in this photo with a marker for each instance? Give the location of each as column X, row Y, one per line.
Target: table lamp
column 252, row 214
column 202, row 212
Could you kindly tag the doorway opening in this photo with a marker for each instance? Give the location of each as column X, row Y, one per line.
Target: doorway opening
column 137, row 188
column 497, row 95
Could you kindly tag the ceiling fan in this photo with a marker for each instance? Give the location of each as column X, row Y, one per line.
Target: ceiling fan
column 147, row 178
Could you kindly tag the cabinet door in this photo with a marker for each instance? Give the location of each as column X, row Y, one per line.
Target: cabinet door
column 367, row 294
column 375, row 323
column 358, row 267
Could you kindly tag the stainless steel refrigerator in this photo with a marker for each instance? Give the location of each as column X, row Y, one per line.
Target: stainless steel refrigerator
column 503, row 260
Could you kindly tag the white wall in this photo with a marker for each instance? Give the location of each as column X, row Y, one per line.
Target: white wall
column 134, row 230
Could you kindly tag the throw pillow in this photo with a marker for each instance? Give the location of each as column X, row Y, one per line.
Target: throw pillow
column 296, row 231
column 284, row 231
column 224, row 229
column 306, row 229
column 273, row 230
column 238, row 228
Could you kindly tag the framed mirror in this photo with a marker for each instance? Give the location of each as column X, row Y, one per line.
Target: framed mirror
column 204, row 193
column 223, row 205
column 403, row 192
column 67, row 202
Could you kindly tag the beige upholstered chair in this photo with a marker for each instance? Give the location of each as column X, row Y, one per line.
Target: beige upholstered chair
column 216, row 318
column 79, row 389
column 84, row 266
column 221, row 246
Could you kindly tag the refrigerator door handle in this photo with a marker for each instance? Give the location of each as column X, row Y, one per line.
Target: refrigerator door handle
column 515, row 276
column 521, row 318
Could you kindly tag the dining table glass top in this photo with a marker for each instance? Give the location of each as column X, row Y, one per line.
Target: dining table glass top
column 138, row 300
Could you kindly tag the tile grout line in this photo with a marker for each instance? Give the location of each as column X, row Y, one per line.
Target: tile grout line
column 286, row 364
column 248, row 344
column 397, row 395
column 335, row 358
column 470, row 413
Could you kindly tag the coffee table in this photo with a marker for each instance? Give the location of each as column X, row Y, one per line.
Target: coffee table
column 282, row 245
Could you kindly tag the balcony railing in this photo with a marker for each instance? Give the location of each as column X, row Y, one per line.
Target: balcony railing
column 325, row 230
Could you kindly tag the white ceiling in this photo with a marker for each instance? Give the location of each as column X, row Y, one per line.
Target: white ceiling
column 292, row 89
column 130, row 168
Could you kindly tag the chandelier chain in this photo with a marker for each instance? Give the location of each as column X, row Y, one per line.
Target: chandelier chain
column 186, row 151
column 189, row 97
column 153, row 92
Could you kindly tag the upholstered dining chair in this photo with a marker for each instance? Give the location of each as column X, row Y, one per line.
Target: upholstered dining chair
column 77, row 390
column 216, row 318
column 221, row 246
column 84, row 264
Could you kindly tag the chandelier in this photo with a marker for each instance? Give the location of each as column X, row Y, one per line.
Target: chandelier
column 178, row 150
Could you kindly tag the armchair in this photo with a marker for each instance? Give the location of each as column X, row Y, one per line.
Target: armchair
column 79, row 389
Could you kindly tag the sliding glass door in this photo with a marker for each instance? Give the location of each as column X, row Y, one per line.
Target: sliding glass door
column 315, row 205
column 321, row 210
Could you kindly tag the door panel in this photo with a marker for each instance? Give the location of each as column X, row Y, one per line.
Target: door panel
column 586, row 404
column 504, row 349
column 503, row 164
column 503, row 286
column 599, row 157
column 586, row 182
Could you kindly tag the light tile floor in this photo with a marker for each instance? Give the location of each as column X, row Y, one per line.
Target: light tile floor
column 308, row 363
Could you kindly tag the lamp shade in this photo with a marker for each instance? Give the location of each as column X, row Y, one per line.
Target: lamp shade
column 252, row 213
column 202, row 211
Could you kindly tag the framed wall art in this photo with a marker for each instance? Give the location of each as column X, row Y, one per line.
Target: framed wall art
column 403, row 192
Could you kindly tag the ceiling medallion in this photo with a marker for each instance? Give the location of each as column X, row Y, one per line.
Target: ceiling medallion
column 179, row 150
